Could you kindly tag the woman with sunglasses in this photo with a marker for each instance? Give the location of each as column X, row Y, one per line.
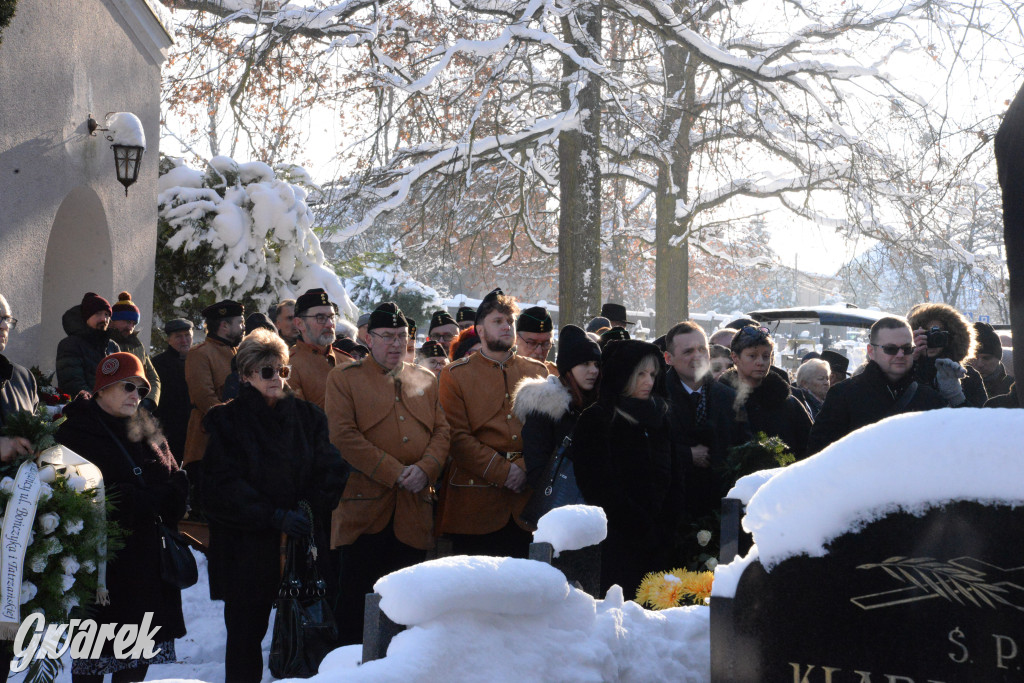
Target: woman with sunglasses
column 764, row 399
column 268, row 452
column 142, row 479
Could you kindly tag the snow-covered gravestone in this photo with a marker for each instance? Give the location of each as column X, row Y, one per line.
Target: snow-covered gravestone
column 893, row 556
column 569, row 538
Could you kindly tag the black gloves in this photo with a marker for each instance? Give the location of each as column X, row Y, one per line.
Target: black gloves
column 292, row 522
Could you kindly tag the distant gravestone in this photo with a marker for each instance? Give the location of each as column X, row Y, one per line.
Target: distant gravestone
column 582, row 568
column 932, row 599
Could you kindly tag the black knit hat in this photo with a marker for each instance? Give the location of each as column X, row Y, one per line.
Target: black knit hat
column 431, row 349
column 92, row 304
column 387, row 315
column 614, row 334
column 535, row 319
column 988, row 340
column 257, row 321
column 310, row 299
column 223, row 309
column 575, row 347
column 465, row 314
column 440, row 318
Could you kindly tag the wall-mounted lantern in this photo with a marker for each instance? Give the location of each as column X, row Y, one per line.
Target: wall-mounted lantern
column 125, row 131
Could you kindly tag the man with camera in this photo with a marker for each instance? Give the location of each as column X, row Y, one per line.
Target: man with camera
column 943, row 339
column 886, row 386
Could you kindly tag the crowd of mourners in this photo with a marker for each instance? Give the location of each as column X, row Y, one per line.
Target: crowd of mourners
column 302, row 424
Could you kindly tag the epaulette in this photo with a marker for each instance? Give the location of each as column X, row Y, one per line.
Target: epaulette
column 353, row 364
column 461, row 361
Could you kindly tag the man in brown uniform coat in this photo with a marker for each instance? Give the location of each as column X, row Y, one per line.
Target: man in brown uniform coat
column 207, row 366
column 386, row 420
column 313, row 356
column 484, row 486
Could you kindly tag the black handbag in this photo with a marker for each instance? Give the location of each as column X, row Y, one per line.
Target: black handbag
column 556, row 488
column 304, row 627
column 177, row 564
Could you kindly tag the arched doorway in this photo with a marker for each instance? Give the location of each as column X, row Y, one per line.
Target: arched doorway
column 79, row 259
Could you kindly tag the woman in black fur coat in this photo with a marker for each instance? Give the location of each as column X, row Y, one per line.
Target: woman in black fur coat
column 626, row 463
column 267, row 452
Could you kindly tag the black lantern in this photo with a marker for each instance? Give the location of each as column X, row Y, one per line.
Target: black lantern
column 127, row 160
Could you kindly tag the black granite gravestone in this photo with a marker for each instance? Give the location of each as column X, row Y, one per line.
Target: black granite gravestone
column 932, row 599
column 582, row 568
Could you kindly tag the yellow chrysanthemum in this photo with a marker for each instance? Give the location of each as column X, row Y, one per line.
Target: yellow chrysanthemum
column 664, row 590
column 698, row 585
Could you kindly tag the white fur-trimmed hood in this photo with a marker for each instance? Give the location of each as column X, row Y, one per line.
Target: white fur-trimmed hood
column 546, row 396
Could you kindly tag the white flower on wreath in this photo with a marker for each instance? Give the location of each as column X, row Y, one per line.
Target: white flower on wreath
column 28, row 591
column 45, row 492
column 38, row 564
column 68, row 582
column 73, row 526
column 711, row 563
column 703, row 537
column 53, row 546
column 70, row 565
column 48, row 522
column 69, row 602
column 77, row 483
column 7, row 485
column 88, row 566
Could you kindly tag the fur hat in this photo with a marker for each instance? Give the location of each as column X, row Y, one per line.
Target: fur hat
column 124, row 309
column 962, row 339
column 467, row 339
column 988, row 340
column 117, row 367
column 574, row 348
column 92, row 304
column 618, row 360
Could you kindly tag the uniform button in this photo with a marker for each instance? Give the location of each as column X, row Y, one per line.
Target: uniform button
column 515, row 437
column 405, row 439
column 359, row 495
column 506, row 395
column 401, row 418
column 509, row 416
column 397, row 399
column 470, row 482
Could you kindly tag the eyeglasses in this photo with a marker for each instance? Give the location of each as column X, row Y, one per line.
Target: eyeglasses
column 269, row 371
column 129, row 387
column 546, row 346
column 11, row 322
column 391, row 338
column 321, row 318
column 893, row 349
column 446, row 337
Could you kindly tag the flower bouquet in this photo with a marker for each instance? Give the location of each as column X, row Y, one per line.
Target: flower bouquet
column 57, row 535
column 48, row 394
column 664, row 590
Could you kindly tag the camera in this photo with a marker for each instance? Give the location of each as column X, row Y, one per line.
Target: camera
column 938, row 338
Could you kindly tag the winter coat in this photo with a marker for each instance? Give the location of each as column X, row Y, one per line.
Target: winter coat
column 626, row 463
column 865, row 399
column 381, row 421
column 260, row 459
column 175, row 405
column 133, row 345
column 1007, row 400
column 770, row 408
column 310, row 367
column 80, row 352
column 719, row 433
column 17, row 390
column 133, row 576
column 476, row 393
column 207, row 367
column 544, row 406
column 998, row 383
column 962, row 344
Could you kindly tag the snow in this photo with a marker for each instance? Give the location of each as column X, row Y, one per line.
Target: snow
column 572, row 527
column 747, row 486
column 426, row 591
column 126, row 129
column 907, row 463
column 727, row 576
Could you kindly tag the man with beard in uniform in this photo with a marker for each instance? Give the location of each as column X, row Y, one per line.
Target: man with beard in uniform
column 313, row 356
column 533, row 336
column 387, row 422
column 207, row 367
column 483, row 489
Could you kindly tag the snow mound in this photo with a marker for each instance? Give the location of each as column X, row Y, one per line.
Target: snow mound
column 126, row 129
column 469, row 583
column 908, row 463
column 747, row 486
column 727, row 576
column 572, row 527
